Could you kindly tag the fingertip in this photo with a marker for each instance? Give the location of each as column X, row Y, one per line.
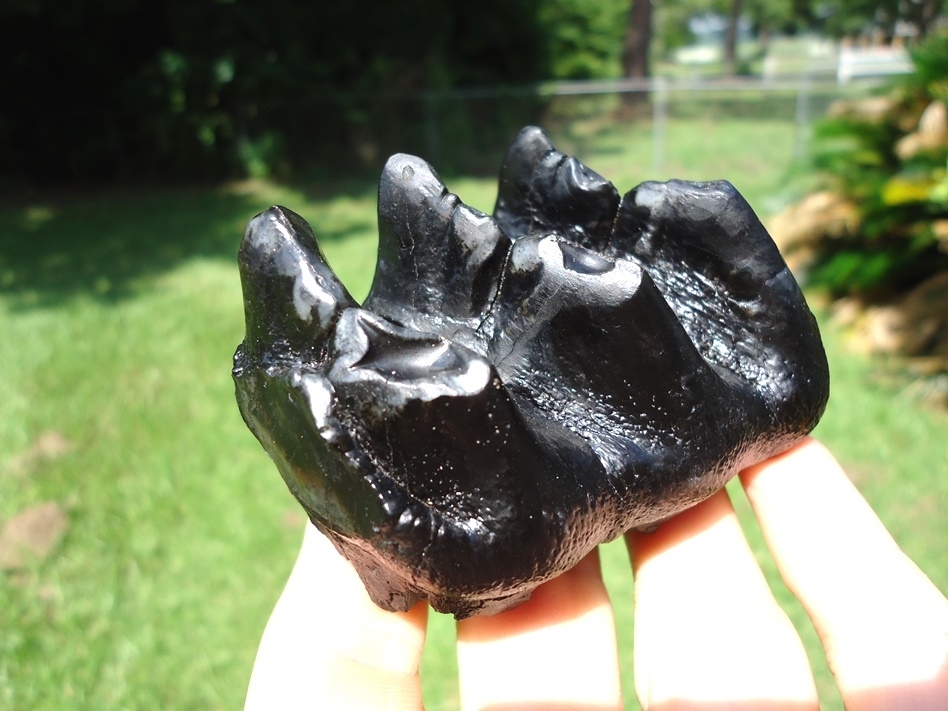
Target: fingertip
column 809, row 454
column 327, row 645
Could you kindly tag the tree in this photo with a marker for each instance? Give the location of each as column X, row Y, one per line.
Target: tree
column 766, row 17
column 584, row 38
column 638, row 38
column 731, row 37
column 115, row 90
column 769, row 16
column 853, row 17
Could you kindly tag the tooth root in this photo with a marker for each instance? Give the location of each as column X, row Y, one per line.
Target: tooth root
column 291, row 297
column 542, row 191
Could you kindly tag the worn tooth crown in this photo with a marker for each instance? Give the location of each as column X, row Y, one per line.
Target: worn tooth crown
column 518, row 388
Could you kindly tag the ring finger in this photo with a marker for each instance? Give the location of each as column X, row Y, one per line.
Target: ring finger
column 708, row 631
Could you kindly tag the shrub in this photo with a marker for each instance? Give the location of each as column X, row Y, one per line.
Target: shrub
column 888, row 156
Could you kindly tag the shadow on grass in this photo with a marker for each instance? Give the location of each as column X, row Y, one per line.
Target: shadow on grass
column 108, row 245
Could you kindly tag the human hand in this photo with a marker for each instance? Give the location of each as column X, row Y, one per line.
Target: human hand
column 708, row 631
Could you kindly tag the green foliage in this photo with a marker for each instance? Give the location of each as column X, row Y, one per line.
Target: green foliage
column 584, row 37
column 931, row 69
column 771, row 16
column 671, row 26
column 899, row 193
column 201, row 89
column 857, row 17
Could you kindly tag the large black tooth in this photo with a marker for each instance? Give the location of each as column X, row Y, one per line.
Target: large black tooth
column 517, row 391
column 291, row 297
column 544, row 191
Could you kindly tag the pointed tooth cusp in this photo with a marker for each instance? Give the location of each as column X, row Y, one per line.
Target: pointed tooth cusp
column 415, row 210
column 439, row 259
column 542, row 190
column 291, row 296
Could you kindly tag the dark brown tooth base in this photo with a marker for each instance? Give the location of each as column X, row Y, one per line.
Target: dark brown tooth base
column 519, row 388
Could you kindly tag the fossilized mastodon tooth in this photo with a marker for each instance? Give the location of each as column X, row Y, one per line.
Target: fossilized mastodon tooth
column 521, row 387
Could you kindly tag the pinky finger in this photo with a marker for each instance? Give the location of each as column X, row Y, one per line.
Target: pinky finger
column 883, row 624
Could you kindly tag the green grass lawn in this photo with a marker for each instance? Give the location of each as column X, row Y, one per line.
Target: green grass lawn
column 119, row 315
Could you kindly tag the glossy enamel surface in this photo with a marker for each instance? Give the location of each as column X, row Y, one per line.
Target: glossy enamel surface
column 518, row 388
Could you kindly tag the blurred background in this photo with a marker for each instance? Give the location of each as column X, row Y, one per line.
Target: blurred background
column 144, row 534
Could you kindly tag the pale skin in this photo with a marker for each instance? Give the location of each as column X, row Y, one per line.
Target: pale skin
column 709, row 634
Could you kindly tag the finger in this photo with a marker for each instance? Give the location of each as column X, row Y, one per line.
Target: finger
column 708, row 631
column 883, row 624
column 557, row 650
column 327, row 646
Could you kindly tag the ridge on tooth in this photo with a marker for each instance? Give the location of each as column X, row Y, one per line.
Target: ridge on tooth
column 600, row 329
column 478, row 249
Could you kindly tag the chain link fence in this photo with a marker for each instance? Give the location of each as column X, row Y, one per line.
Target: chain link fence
column 657, row 128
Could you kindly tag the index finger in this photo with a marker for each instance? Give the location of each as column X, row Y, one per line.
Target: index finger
column 328, row 646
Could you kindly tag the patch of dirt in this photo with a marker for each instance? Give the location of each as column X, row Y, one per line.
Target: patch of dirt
column 50, row 445
column 293, row 519
column 32, row 535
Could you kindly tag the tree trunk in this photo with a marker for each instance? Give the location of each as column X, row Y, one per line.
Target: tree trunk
column 638, row 37
column 924, row 15
column 730, row 38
